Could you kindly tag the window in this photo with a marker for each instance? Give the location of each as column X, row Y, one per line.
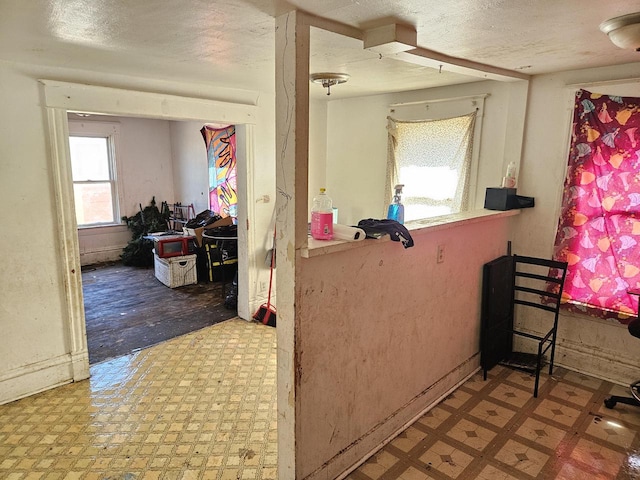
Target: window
column 599, row 226
column 433, row 158
column 92, row 147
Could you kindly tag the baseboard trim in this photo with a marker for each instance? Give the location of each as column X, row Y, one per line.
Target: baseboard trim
column 377, row 437
column 610, row 366
column 38, row 377
column 80, row 365
column 100, row 255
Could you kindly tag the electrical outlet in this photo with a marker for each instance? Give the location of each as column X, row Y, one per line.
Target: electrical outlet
column 440, row 255
column 263, row 286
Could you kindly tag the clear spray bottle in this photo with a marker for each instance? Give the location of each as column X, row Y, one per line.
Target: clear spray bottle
column 396, row 208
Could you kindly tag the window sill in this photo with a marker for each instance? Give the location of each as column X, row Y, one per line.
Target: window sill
column 101, row 226
column 457, row 219
column 317, row 248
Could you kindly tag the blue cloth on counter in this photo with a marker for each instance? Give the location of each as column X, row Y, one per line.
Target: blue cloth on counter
column 375, row 228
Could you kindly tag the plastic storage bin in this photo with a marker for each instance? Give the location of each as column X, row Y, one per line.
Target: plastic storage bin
column 176, row 271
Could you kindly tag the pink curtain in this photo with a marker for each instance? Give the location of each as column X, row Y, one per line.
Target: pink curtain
column 599, row 226
column 221, row 155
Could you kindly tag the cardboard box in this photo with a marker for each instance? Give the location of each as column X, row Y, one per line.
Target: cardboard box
column 197, row 232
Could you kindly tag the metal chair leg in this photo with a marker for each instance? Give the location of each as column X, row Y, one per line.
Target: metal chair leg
column 538, row 367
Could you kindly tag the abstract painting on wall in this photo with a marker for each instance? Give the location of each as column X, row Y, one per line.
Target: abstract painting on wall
column 221, row 156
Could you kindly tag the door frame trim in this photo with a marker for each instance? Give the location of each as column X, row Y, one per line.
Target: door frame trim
column 62, row 97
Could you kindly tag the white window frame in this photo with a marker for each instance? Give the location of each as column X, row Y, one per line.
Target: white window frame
column 110, row 131
column 440, row 109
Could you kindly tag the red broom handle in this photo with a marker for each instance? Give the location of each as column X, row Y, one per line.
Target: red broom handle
column 273, row 254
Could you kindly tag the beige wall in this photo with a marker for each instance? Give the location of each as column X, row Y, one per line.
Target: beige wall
column 190, row 167
column 32, row 308
column 357, row 143
column 317, row 149
column 36, row 353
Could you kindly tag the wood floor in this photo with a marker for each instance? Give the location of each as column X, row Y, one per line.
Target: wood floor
column 127, row 308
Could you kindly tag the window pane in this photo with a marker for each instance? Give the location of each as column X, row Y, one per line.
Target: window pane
column 418, row 212
column 439, row 183
column 89, row 158
column 432, row 162
column 93, row 203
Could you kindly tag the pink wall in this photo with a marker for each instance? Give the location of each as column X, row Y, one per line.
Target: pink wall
column 384, row 332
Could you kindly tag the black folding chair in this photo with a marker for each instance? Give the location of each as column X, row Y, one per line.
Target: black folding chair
column 511, row 286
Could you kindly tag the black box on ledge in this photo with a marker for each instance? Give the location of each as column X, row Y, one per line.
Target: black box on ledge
column 506, row 199
column 499, row 198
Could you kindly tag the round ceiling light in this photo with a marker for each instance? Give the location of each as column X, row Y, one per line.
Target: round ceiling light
column 623, row 31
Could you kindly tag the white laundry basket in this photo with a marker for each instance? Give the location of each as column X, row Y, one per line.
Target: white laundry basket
column 176, row 271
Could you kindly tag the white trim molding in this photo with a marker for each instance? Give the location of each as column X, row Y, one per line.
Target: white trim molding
column 115, row 101
column 60, row 98
column 69, row 244
column 37, row 377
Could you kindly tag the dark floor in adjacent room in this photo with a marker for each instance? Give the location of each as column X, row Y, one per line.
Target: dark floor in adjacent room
column 128, row 308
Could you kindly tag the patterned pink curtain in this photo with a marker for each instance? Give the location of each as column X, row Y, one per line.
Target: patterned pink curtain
column 221, row 155
column 599, row 226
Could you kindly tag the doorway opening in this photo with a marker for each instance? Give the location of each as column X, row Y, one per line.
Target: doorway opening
column 62, row 98
column 117, row 162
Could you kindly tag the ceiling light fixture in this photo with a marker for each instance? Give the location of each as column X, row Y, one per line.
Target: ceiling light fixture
column 328, row 80
column 623, row 31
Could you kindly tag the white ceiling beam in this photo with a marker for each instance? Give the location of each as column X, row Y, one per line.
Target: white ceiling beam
column 400, row 41
column 440, row 61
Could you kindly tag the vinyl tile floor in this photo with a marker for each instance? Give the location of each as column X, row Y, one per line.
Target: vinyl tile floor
column 496, row 430
column 199, row 406
column 203, row 406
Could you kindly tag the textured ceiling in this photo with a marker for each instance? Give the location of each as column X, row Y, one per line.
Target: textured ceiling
column 232, row 43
